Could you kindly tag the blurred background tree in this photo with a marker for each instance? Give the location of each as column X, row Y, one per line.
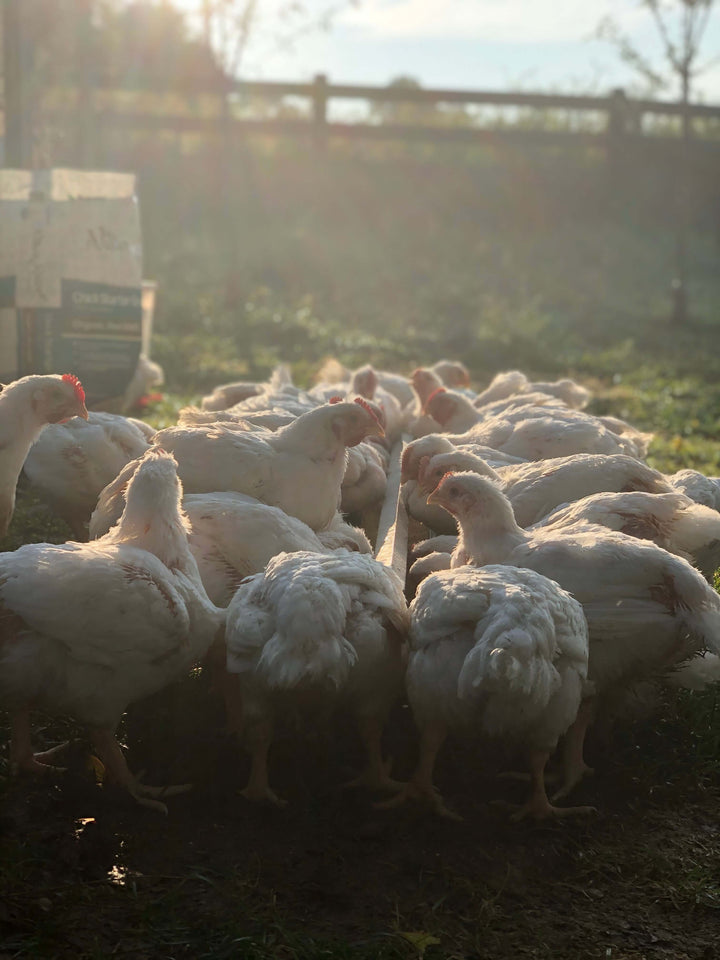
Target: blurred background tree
column 681, row 25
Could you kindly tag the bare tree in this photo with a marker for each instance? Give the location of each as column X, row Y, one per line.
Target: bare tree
column 681, row 25
column 230, row 26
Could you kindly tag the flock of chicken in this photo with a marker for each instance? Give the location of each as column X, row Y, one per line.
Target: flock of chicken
column 561, row 569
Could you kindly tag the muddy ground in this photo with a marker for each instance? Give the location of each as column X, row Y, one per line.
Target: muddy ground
column 86, row 873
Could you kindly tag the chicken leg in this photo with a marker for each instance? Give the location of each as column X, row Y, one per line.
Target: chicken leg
column 574, row 766
column 258, row 737
column 376, row 775
column 537, row 805
column 420, row 786
column 112, row 756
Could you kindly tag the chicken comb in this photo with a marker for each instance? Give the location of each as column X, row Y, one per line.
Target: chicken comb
column 366, row 406
column 336, row 399
column 75, row 381
column 435, row 393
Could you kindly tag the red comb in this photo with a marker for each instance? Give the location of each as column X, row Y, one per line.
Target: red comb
column 366, row 406
column 336, row 399
column 434, row 394
column 75, row 381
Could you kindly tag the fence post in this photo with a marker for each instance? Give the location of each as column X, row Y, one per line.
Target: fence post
column 616, row 131
column 86, row 128
column 320, row 98
column 18, row 121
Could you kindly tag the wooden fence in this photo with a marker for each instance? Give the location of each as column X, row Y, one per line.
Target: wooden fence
column 613, row 123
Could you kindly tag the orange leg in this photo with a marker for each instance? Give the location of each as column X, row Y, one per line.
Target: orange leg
column 574, row 766
column 376, row 775
column 112, row 756
column 258, row 736
column 420, row 786
column 538, row 806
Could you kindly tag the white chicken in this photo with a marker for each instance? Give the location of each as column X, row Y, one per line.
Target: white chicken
column 87, row 628
column 514, row 382
column 453, row 373
column 418, row 452
column 538, row 487
column 230, row 534
column 646, row 609
column 520, row 402
column 536, row 490
column 502, row 385
column 364, row 485
column 418, row 421
column 148, row 374
column 299, row 468
column 253, row 422
column 333, row 377
column 70, row 463
column 26, row 406
column 434, row 443
column 226, row 395
column 534, row 432
column 457, row 413
column 366, row 383
column 292, row 402
column 430, row 472
column 331, row 626
column 498, row 651
column 701, row 489
column 671, row 520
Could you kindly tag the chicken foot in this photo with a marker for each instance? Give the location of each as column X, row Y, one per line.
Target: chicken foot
column 110, row 752
column 420, row 786
column 376, row 775
column 537, row 806
column 22, row 758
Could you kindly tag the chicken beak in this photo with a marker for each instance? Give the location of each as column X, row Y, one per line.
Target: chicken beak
column 376, row 430
column 435, row 496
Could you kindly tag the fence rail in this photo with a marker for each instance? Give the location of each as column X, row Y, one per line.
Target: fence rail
column 613, row 123
column 320, row 90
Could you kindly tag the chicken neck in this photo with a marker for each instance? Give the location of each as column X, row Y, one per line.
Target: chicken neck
column 487, row 540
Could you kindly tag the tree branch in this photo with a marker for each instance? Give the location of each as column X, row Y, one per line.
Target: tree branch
column 670, row 48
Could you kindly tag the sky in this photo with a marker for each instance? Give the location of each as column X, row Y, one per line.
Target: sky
column 535, row 45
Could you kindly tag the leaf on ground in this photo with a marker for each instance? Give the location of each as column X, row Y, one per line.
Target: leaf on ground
column 420, row 939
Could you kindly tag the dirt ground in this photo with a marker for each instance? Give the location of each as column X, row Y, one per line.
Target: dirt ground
column 86, row 873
